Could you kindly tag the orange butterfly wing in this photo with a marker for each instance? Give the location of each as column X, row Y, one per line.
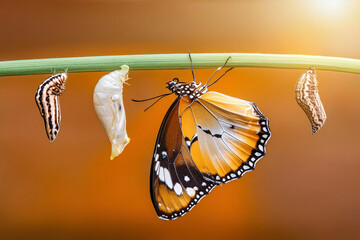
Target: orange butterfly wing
column 232, row 134
column 176, row 184
column 211, row 140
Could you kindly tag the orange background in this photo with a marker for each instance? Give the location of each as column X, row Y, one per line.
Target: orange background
column 307, row 187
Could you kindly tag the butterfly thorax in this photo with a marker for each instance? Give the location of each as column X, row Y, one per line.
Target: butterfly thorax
column 193, row 90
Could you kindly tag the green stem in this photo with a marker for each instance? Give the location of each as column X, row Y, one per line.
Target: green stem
column 176, row 61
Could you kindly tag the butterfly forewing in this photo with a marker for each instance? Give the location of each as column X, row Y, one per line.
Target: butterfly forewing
column 176, row 182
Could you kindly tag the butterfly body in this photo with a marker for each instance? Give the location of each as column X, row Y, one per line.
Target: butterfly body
column 48, row 102
column 193, row 90
column 206, row 139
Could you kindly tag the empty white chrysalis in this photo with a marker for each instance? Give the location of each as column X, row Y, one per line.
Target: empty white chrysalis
column 47, row 100
column 109, row 106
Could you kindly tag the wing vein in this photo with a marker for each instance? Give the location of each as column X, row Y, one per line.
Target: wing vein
column 212, row 139
column 222, row 126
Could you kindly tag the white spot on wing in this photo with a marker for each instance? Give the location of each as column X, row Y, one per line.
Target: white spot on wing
column 246, row 167
column 178, row 189
column 186, row 178
column 168, row 180
column 157, row 165
column 158, row 171
column 190, row 191
column 161, row 174
column 261, row 148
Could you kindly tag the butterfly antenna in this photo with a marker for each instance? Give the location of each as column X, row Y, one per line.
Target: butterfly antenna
column 221, row 76
column 154, row 103
column 192, row 67
column 147, row 99
column 158, row 99
column 217, row 71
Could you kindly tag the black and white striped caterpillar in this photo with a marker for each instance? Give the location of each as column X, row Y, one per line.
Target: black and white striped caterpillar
column 47, row 100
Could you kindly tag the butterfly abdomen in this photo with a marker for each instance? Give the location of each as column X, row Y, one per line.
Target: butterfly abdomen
column 308, row 98
column 47, row 100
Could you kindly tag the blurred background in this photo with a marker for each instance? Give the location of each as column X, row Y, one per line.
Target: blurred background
column 307, row 187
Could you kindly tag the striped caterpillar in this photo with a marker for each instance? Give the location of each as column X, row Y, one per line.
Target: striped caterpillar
column 109, row 106
column 47, row 100
column 307, row 96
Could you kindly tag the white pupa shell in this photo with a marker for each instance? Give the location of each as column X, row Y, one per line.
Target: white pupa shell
column 109, row 106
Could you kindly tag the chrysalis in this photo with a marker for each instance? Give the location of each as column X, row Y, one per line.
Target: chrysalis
column 109, row 106
column 307, row 96
column 47, row 100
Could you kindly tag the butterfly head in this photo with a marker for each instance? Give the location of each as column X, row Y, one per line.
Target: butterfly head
column 193, row 90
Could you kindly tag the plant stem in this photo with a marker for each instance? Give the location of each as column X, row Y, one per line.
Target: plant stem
column 176, row 61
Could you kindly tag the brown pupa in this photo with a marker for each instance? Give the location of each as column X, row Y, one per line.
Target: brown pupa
column 307, row 96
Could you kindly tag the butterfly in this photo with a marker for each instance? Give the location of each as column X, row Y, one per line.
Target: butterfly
column 206, row 139
column 109, row 106
column 48, row 102
column 308, row 98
